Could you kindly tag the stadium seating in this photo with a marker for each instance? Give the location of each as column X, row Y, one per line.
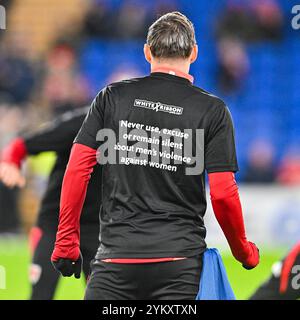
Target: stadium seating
column 40, row 25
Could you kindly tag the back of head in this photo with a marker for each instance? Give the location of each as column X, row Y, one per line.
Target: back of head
column 171, row 36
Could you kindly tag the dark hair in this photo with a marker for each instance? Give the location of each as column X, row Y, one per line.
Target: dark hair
column 171, row 36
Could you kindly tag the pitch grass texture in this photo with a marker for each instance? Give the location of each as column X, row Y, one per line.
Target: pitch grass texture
column 15, row 258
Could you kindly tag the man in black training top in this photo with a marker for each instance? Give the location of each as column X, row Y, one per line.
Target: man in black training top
column 284, row 282
column 155, row 138
column 57, row 136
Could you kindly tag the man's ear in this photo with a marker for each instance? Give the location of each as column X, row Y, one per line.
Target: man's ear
column 194, row 54
column 147, row 53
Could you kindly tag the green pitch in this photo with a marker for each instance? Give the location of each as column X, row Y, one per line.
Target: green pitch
column 14, row 257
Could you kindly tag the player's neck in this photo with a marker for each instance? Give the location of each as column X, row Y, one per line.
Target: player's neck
column 181, row 65
column 178, row 67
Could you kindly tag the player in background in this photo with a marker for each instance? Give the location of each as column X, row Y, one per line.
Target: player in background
column 56, row 136
column 151, row 219
column 284, row 283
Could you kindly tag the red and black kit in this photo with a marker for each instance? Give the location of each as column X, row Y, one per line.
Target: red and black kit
column 153, row 213
column 56, row 136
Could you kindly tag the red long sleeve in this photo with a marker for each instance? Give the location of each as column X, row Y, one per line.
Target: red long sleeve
column 74, row 187
column 228, row 211
column 15, row 152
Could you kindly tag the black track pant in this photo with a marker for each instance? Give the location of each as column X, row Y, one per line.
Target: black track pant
column 284, row 283
column 43, row 277
column 176, row 280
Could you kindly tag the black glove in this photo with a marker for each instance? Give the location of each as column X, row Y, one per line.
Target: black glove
column 257, row 257
column 68, row 267
column 247, row 267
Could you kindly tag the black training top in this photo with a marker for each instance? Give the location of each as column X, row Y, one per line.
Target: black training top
column 153, row 206
column 58, row 136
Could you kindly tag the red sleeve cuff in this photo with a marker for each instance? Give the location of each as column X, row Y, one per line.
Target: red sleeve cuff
column 67, row 252
column 15, row 152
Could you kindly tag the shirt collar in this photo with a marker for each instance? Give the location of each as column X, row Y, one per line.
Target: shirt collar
column 173, row 72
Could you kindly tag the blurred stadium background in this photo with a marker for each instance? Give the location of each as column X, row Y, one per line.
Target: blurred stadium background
column 55, row 55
